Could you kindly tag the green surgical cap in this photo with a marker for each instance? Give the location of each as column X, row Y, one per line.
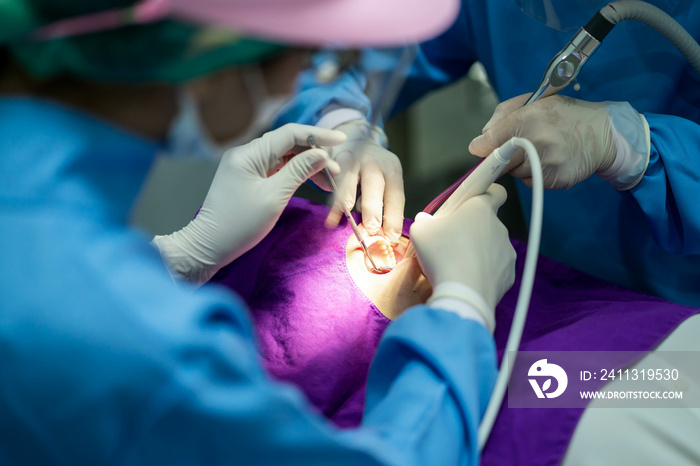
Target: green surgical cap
column 166, row 51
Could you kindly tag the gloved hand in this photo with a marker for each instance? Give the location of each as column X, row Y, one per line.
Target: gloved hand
column 243, row 203
column 468, row 246
column 380, row 177
column 574, row 139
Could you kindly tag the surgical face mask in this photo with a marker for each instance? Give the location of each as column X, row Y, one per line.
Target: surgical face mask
column 189, row 138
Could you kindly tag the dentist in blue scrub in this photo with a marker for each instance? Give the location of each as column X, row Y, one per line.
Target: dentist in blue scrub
column 619, row 151
column 104, row 358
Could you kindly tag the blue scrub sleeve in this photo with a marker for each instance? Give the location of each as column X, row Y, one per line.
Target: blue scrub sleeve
column 670, row 188
column 434, row 381
column 427, row 391
column 439, row 62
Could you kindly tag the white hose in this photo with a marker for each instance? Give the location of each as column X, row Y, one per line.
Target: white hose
column 526, row 283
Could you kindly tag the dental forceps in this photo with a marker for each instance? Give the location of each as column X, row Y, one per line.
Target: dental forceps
column 351, row 220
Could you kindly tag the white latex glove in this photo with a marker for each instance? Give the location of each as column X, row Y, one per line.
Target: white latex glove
column 243, row 203
column 574, row 139
column 380, row 178
column 469, row 246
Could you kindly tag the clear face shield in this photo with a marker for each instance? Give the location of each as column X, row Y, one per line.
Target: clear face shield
column 570, row 15
column 366, row 81
column 378, row 72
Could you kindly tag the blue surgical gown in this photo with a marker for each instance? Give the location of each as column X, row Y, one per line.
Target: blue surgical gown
column 647, row 238
column 105, row 360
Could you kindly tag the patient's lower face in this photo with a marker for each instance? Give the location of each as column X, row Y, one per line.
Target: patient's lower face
column 393, row 292
column 319, row 312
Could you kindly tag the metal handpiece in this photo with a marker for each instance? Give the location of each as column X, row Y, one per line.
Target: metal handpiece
column 351, row 220
column 565, row 65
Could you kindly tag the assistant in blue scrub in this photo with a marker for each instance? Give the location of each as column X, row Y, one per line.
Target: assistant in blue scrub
column 645, row 238
column 108, row 360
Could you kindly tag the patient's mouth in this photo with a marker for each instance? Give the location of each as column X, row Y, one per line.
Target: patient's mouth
column 382, row 254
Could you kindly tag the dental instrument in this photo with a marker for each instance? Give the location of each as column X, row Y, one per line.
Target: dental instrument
column 566, row 65
column 476, row 183
column 346, row 212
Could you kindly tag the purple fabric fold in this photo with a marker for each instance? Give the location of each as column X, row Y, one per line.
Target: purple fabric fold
column 318, row 331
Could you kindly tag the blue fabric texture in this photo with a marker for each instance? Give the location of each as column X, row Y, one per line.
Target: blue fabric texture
column 647, row 239
column 105, row 360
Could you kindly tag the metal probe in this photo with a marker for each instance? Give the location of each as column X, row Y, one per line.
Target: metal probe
column 351, row 220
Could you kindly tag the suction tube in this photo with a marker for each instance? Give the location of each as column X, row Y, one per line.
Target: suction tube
column 658, row 19
column 526, row 284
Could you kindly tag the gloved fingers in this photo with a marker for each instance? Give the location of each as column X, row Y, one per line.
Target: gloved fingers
column 401, row 246
column 518, row 158
column 425, row 231
column 505, row 108
column 522, row 170
column 553, row 176
column 266, row 151
column 344, row 161
column 507, row 127
column 298, row 170
column 505, row 123
column 394, row 202
column 345, row 196
column 293, row 134
column 353, row 243
column 372, row 183
column 321, row 180
column 333, row 166
column 422, row 216
column 421, row 228
column 497, row 196
column 492, row 199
